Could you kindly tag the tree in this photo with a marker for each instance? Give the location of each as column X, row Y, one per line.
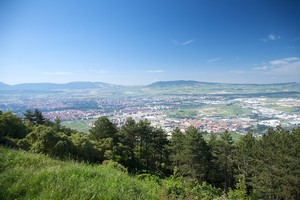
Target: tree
column 57, row 124
column 35, row 117
column 28, row 116
column 158, row 151
column 222, row 173
column 106, row 137
column 245, row 159
column 215, row 174
column 142, row 148
column 12, row 126
column 104, row 128
column 85, row 148
column 46, row 140
column 144, row 131
column 195, row 159
column 177, row 147
column 129, row 143
column 226, row 158
column 240, row 193
column 277, row 161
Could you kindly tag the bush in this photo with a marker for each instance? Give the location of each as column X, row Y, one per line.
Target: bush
column 115, row 165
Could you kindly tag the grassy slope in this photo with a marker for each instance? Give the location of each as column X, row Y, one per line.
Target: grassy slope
column 25, row 175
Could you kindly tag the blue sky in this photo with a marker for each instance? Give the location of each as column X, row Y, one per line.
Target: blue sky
column 137, row 42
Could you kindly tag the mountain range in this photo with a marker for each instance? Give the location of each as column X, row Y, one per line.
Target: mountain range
column 101, row 85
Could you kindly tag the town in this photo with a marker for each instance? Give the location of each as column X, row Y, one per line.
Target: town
column 208, row 113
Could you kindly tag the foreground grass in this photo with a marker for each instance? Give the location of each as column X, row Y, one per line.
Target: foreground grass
column 25, row 175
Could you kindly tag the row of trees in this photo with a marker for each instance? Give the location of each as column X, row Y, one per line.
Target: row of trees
column 261, row 168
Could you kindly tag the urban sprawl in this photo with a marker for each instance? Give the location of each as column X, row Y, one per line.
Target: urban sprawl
column 207, row 113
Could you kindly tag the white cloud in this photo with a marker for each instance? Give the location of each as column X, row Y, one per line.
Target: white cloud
column 284, row 61
column 155, row 71
column 285, row 66
column 292, row 68
column 271, row 37
column 57, row 73
column 214, row 60
column 184, row 43
column 262, row 68
column 187, row 42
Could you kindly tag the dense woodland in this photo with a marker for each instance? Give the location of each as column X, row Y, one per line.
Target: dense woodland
column 267, row 167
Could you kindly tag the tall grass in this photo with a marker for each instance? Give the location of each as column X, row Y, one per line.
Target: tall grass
column 25, row 175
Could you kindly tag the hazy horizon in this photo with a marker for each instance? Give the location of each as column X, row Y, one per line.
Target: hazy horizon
column 145, row 84
column 137, row 42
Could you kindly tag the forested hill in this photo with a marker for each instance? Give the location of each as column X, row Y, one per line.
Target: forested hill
column 177, row 83
column 181, row 166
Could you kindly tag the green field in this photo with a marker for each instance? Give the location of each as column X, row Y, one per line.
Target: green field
column 223, row 111
column 183, row 113
column 208, row 111
column 80, row 125
column 287, row 109
column 235, row 136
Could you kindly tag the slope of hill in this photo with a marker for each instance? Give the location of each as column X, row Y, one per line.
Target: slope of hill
column 177, row 83
column 195, row 83
column 3, row 86
column 30, row 176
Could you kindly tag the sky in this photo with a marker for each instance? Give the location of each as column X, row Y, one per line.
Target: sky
column 138, row 42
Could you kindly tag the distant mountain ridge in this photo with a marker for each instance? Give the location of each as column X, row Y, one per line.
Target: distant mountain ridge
column 195, row 83
column 56, row 86
column 178, row 83
column 102, row 85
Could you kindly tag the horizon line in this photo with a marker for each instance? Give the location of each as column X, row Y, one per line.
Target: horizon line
column 233, row 83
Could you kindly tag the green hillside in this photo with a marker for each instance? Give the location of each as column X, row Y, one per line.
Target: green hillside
column 25, row 175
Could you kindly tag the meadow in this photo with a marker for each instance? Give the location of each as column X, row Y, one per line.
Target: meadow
column 25, row 175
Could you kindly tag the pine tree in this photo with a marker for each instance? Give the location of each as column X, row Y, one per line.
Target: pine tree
column 35, row 117
column 129, row 145
column 158, row 150
column 227, row 159
column 196, row 156
column 277, row 161
column 245, row 159
column 177, row 147
column 223, row 161
column 104, row 128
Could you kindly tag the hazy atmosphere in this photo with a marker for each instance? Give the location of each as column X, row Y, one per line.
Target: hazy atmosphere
column 140, row 42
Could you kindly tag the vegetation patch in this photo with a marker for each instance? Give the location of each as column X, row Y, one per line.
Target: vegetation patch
column 80, row 125
column 223, row 111
column 30, row 176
